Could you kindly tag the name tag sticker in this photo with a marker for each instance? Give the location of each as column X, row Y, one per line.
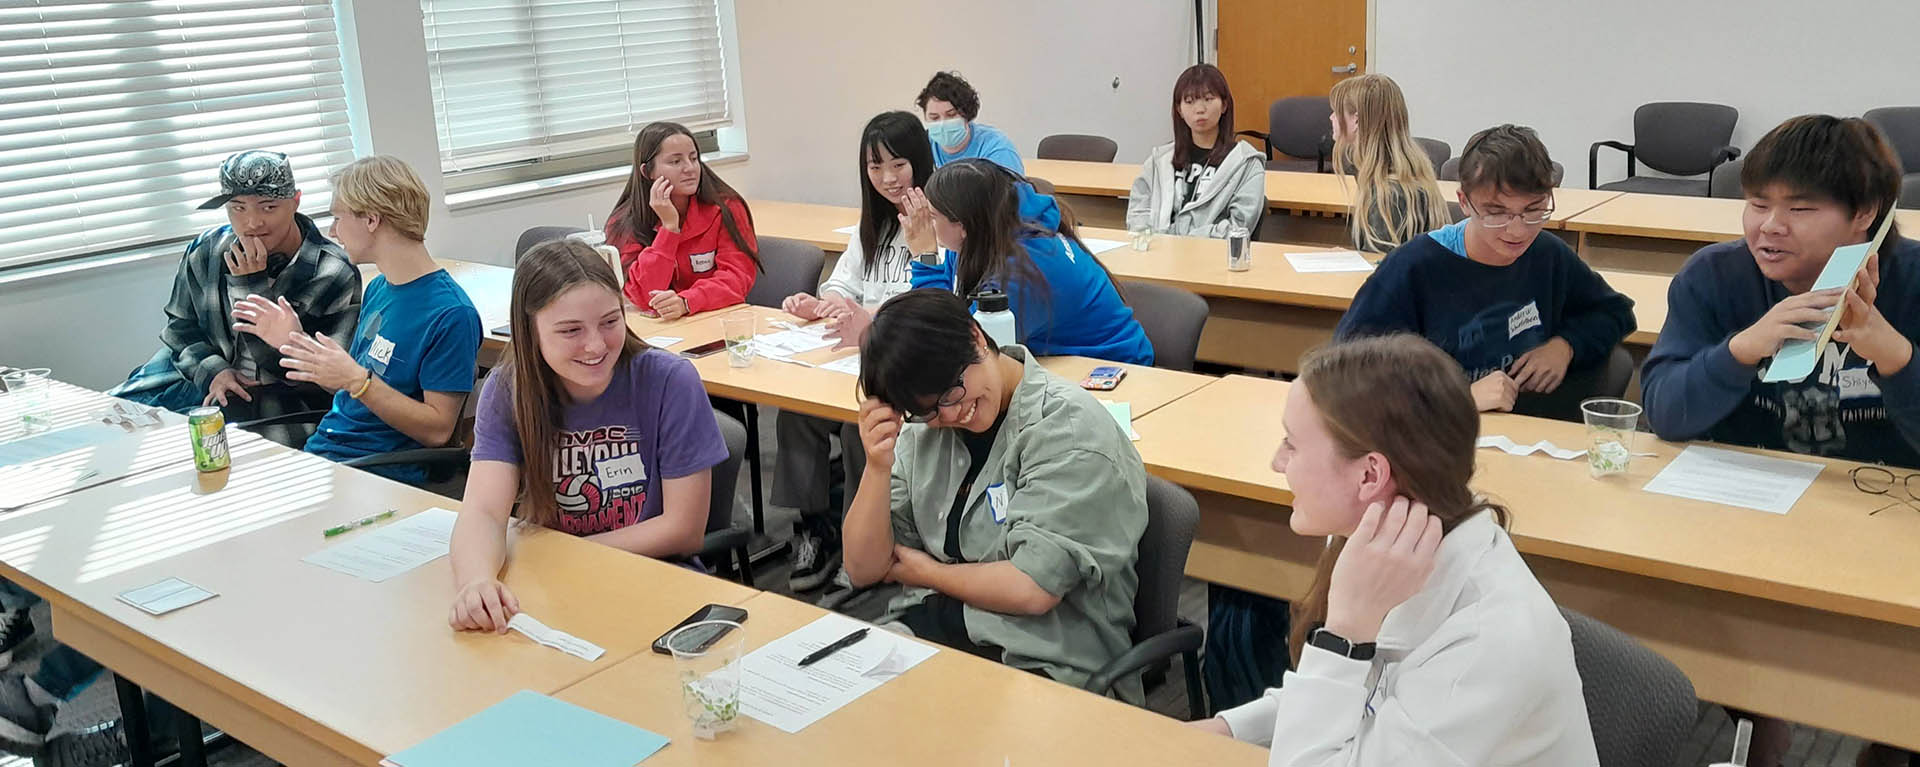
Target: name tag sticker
column 1527, row 317
column 997, row 502
column 702, row 262
column 625, row 470
column 1855, row 384
column 381, row 350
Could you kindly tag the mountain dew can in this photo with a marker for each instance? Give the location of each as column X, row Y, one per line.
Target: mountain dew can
column 208, row 427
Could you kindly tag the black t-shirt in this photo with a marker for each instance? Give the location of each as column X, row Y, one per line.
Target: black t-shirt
column 978, row 445
column 1188, row 180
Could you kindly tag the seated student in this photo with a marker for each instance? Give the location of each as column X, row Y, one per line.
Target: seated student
column 668, row 227
column 895, row 162
column 595, row 433
column 1519, row 311
column 1004, row 498
column 1424, row 639
column 1812, row 184
column 1204, row 181
column 1396, row 194
column 950, row 105
column 1007, row 237
column 268, row 249
column 402, row 382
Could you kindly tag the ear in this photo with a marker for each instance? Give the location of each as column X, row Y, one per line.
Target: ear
column 373, row 222
column 1863, row 223
column 1376, row 478
column 296, row 199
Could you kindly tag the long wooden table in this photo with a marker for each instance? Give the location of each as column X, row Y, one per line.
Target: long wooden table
column 1813, row 616
column 1657, row 232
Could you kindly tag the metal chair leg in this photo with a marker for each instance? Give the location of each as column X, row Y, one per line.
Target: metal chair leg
column 753, row 465
column 193, row 751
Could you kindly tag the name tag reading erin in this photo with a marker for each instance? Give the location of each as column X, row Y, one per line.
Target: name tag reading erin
column 624, row 470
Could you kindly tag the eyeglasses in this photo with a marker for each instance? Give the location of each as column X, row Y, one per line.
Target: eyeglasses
column 1504, row 220
column 1874, row 480
column 952, row 397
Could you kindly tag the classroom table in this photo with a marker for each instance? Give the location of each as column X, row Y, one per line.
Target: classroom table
column 951, row 709
column 1812, row 616
column 1653, row 232
column 308, row 665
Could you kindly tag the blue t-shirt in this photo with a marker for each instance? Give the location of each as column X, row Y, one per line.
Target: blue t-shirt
column 419, row 337
column 986, row 142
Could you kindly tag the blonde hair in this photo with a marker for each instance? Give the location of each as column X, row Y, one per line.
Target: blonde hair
column 1397, row 189
column 385, row 186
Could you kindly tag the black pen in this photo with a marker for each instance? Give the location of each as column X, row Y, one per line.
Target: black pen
column 839, row 644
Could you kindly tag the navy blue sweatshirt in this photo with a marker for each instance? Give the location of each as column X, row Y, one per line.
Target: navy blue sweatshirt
column 1694, row 388
column 1487, row 316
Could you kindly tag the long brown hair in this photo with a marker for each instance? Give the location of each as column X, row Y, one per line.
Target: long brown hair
column 985, row 199
column 634, row 218
column 1387, row 165
column 1403, row 398
column 542, row 275
column 1198, row 81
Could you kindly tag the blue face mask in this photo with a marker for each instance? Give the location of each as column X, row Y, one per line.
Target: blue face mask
column 948, row 134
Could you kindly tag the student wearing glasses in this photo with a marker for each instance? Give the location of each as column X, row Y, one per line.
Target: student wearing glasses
column 1521, row 312
column 1003, row 498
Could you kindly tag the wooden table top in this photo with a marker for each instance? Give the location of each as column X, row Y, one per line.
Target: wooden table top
column 805, row 222
column 1663, row 216
column 1221, row 439
column 984, row 711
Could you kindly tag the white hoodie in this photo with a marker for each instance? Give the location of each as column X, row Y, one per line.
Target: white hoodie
column 1476, row 669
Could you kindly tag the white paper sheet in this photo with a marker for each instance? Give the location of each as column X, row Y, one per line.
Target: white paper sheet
column 662, row 341
column 1098, row 246
column 165, row 596
column 1735, row 479
column 786, row 343
column 549, row 636
column 1506, row 445
column 849, row 364
column 1329, row 261
column 382, row 552
column 848, row 230
column 775, row 690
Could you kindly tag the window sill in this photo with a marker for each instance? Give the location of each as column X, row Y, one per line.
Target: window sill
column 503, row 193
column 77, row 264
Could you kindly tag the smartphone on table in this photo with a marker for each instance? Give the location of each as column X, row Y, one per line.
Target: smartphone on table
column 705, row 637
column 1103, row 378
column 710, row 347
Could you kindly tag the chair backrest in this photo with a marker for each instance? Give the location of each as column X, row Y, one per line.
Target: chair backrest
column 1725, row 181
column 1641, row 707
column 1437, row 151
column 791, row 266
column 1901, row 125
column 540, row 234
column 726, row 474
column 1077, row 146
column 1172, row 514
column 1910, row 196
column 1172, row 317
column 1298, row 126
column 1450, row 170
column 1041, row 185
column 1606, row 380
column 1682, row 137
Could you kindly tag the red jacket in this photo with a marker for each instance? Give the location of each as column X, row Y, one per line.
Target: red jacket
column 701, row 262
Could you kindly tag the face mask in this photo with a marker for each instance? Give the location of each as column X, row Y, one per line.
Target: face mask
column 948, row 134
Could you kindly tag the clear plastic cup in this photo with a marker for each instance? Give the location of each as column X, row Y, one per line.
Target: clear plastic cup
column 1611, row 427
column 1239, row 249
column 1142, row 237
column 738, row 330
column 708, row 655
column 27, row 398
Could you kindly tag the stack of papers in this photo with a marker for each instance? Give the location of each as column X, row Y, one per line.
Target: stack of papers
column 1098, row 246
column 382, row 552
column 530, row 728
column 1735, row 479
column 776, row 690
column 786, row 343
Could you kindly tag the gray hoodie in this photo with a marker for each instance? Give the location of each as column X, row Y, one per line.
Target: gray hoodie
column 1236, row 193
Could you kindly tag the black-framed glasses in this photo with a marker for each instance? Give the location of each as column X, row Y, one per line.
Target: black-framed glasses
column 1874, row 480
column 952, row 397
column 1504, row 220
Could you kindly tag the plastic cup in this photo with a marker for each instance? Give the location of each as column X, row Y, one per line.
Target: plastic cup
column 738, row 329
column 708, row 656
column 1611, row 426
column 1239, row 249
column 28, row 398
column 1142, row 237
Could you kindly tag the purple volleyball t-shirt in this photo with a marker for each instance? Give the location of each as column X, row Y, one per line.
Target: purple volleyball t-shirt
column 653, row 422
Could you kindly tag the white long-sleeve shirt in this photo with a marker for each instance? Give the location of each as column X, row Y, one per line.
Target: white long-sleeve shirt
column 1474, row 670
column 891, row 275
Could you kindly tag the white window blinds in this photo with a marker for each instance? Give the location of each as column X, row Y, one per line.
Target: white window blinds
column 518, row 80
column 114, row 116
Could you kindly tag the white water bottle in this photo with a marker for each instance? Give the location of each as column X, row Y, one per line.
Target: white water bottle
column 995, row 318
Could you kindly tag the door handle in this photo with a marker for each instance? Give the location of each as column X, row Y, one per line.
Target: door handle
column 1350, row 68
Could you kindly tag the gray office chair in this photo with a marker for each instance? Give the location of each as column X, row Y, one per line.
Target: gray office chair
column 540, row 234
column 787, row 267
column 1297, row 127
column 1605, row 380
column 1679, row 138
column 1437, row 151
column 1724, row 182
column 1450, row 170
column 1172, row 317
column 726, row 542
column 1901, row 126
column 1041, row 185
column 1641, row 707
column 1910, row 195
column 1077, row 146
column 1158, row 632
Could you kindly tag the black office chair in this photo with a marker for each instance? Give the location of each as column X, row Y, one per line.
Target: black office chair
column 1724, row 182
column 1297, row 128
column 1158, row 632
column 1640, row 706
column 1901, row 126
column 1910, row 195
column 1173, row 318
column 1077, row 146
column 1437, row 151
column 1680, row 138
column 1563, row 403
column 540, row 234
column 725, row 541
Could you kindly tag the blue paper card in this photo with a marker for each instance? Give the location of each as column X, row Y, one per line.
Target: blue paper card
column 1796, row 359
column 530, row 728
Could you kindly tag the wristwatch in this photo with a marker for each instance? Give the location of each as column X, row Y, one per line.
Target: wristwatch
column 1338, row 645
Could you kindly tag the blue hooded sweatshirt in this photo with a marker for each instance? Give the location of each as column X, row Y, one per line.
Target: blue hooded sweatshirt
column 1077, row 312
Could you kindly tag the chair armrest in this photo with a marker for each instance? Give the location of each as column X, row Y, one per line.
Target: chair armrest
column 1726, row 154
column 425, row 456
column 304, row 416
column 1154, row 649
column 1266, row 141
column 719, row 543
column 1593, row 158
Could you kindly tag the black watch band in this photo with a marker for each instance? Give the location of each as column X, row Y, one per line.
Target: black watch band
column 1338, row 645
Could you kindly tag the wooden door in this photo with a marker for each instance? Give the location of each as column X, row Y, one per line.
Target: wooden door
column 1273, row 49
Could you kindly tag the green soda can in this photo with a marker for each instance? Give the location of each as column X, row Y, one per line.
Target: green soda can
column 208, row 426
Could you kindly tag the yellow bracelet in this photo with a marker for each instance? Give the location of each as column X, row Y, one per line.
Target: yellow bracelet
column 364, row 385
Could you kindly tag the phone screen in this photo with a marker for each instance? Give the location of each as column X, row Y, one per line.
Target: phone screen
column 705, row 349
column 704, row 637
